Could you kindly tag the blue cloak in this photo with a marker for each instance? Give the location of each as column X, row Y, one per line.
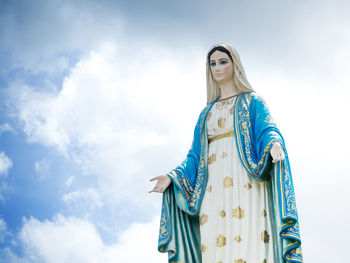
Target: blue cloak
column 179, row 232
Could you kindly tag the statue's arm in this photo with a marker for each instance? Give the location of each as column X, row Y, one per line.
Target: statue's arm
column 265, row 130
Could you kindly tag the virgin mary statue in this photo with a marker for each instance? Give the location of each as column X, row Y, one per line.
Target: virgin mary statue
column 232, row 198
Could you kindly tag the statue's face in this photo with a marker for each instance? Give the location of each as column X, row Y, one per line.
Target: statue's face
column 221, row 66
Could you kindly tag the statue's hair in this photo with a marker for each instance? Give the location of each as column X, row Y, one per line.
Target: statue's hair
column 240, row 80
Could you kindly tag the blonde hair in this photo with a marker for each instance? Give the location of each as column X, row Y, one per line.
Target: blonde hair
column 240, row 80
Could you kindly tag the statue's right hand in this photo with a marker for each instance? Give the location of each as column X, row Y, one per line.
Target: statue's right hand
column 163, row 181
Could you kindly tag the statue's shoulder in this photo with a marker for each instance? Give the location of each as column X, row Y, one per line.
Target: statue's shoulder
column 255, row 97
column 257, row 100
column 252, row 96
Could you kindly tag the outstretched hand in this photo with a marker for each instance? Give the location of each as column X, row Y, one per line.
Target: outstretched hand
column 277, row 152
column 163, row 181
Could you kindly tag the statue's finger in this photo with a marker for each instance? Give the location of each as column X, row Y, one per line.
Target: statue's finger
column 154, row 178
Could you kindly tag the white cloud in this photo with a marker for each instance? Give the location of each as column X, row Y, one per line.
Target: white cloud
column 88, row 199
column 6, row 127
column 3, row 229
column 116, row 112
column 43, row 168
column 69, row 181
column 69, row 239
column 5, row 164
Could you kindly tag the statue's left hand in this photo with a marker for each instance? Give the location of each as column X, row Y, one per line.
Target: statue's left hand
column 163, row 181
column 277, row 152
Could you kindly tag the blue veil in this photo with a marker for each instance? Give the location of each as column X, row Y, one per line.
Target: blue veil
column 179, row 232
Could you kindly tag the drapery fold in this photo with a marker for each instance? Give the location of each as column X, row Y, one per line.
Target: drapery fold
column 256, row 132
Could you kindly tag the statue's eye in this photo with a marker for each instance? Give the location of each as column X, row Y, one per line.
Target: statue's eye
column 223, row 62
column 212, row 64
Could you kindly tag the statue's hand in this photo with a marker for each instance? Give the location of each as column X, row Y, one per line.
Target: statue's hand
column 277, row 152
column 163, row 181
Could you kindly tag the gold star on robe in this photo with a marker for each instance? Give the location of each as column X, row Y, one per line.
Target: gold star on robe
column 223, row 155
column 265, row 236
column 221, row 122
column 228, row 182
column 238, row 239
column 212, row 158
column 238, row 213
column 204, row 248
column 209, row 189
column 222, row 213
column 247, row 186
column 203, row 219
column 240, row 261
column 221, row 241
column 263, row 213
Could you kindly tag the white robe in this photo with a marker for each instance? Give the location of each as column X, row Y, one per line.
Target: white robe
column 235, row 223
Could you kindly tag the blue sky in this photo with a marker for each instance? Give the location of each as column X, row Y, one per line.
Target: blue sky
column 98, row 97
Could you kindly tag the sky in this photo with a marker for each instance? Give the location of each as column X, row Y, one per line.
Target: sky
column 97, row 97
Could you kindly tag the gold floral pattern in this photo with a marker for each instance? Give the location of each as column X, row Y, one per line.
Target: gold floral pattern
column 264, row 261
column 265, row 237
column 203, row 219
column 228, row 182
column 204, row 248
column 238, row 239
column 223, row 155
column 240, row 261
column 238, row 212
column 221, row 241
column 263, row 213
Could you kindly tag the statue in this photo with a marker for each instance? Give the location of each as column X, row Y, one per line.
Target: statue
column 232, row 199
